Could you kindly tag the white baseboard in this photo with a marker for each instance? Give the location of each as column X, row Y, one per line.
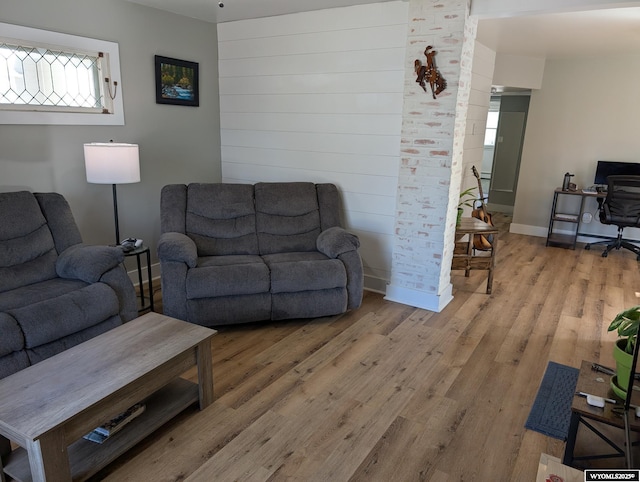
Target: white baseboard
column 375, row 284
column 528, row 230
column 542, row 232
column 155, row 274
column 420, row 299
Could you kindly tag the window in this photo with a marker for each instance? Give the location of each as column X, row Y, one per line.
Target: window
column 41, row 77
column 52, row 78
column 492, row 129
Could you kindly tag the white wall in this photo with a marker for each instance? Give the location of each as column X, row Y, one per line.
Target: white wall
column 579, row 116
column 518, row 71
column 482, row 69
column 317, row 97
column 496, row 8
column 177, row 144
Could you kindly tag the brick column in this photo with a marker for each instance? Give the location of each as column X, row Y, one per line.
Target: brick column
column 431, row 154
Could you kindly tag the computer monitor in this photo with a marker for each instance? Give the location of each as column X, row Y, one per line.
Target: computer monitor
column 610, row 168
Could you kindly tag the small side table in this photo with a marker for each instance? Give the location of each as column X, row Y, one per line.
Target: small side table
column 138, row 252
column 584, row 414
column 464, row 255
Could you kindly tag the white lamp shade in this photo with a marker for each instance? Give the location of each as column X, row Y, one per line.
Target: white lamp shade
column 112, row 163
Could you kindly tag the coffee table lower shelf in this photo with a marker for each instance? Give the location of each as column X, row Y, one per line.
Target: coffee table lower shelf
column 86, row 458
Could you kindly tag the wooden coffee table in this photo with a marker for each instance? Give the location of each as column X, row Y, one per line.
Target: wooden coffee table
column 48, row 407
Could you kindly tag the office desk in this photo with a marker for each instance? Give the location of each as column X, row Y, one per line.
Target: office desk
column 571, row 216
column 466, row 257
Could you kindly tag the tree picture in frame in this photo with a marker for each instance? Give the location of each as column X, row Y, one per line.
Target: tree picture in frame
column 176, row 82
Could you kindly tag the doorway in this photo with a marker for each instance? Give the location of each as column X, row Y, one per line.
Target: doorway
column 504, row 137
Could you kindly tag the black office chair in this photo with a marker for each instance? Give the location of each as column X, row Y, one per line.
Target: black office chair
column 621, row 208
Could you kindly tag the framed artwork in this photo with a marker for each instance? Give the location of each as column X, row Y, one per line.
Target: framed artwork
column 177, row 82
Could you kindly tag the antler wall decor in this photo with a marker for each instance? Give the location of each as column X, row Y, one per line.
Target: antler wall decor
column 429, row 72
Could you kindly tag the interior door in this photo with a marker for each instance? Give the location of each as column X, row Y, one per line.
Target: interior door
column 508, row 150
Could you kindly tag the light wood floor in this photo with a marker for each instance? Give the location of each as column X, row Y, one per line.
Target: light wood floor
column 394, row 393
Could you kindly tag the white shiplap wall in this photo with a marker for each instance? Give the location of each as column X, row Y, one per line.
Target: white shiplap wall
column 317, row 96
column 480, row 96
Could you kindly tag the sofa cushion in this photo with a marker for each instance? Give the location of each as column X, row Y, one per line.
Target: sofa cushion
column 66, row 314
column 225, row 310
column 39, row 353
column 330, row 205
column 13, row 362
column 27, row 250
column 232, row 260
column 287, row 217
column 11, row 339
column 227, row 275
column 173, row 208
column 60, row 221
column 292, row 272
column 33, row 293
column 221, row 219
column 41, row 268
column 308, row 304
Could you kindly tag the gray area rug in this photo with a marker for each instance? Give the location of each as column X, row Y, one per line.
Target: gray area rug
column 551, row 410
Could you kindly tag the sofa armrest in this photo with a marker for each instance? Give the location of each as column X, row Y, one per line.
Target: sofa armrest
column 119, row 281
column 88, row 263
column 179, row 247
column 335, row 241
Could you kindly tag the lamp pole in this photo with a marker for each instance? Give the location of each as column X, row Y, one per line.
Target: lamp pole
column 115, row 213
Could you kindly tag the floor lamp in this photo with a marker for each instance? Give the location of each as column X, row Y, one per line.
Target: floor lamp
column 112, row 163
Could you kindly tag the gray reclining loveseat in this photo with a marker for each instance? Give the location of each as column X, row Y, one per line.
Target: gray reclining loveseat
column 235, row 253
column 55, row 292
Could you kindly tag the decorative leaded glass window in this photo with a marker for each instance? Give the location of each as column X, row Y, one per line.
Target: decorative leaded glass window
column 49, row 72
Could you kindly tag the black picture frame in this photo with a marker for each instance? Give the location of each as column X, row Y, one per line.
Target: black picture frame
column 171, row 90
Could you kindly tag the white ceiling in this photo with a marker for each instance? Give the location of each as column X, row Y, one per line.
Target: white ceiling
column 209, row 11
column 597, row 33
column 588, row 33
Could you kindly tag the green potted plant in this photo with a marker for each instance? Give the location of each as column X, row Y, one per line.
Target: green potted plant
column 626, row 323
column 466, row 199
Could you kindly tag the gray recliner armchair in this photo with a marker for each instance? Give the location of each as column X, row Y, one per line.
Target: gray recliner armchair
column 55, row 292
column 235, row 253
